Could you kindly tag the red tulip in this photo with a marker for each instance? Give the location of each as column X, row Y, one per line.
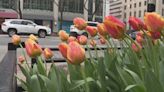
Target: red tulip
column 71, row 38
column 136, row 23
column 32, row 48
column 63, row 35
column 155, row 35
column 154, row 22
column 47, row 53
column 63, row 49
column 82, row 40
column 102, row 40
column 75, row 53
column 80, row 23
column 115, row 27
column 91, row 30
column 21, row 59
column 102, row 29
column 139, row 39
column 16, row 39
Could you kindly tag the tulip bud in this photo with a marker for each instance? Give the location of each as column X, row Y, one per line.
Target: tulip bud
column 32, row 48
column 115, row 27
column 154, row 22
column 93, row 43
column 21, row 59
column 75, row 53
column 91, row 30
column 136, row 48
column 63, row 49
column 82, row 40
column 102, row 40
column 33, row 37
column 136, row 23
column 80, row 23
column 16, row 39
column 139, row 39
column 102, row 29
column 71, row 38
column 47, row 53
column 63, row 35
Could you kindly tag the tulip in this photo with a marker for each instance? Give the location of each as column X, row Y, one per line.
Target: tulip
column 102, row 40
column 82, row 40
column 33, row 37
column 32, row 48
column 154, row 22
column 155, row 35
column 102, row 29
column 93, row 43
column 21, row 59
column 71, row 38
column 136, row 23
column 75, row 53
column 136, row 48
column 16, row 39
column 63, row 49
column 139, row 39
column 91, row 30
column 80, row 23
column 115, row 27
column 63, row 35
column 47, row 53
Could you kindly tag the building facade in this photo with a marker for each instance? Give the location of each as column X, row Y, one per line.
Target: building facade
column 48, row 12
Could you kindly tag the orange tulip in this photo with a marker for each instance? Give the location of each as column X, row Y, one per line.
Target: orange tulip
column 115, row 27
column 75, row 53
column 71, row 38
column 136, row 48
column 21, row 59
column 102, row 29
column 33, row 37
column 82, row 40
column 136, row 23
column 91, row 30
column 16, row 39
column 93, row 43
column 32, row 48
column 63, row 35
column 47, row 53
column 80, row 23
column 63, row 49
column 154, row 22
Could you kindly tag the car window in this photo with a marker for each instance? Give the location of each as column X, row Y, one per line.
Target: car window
column 92, row 24
column 26, row 23
column 15, row 22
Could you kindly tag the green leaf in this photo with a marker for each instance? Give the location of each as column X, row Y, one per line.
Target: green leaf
column 35, row 86
column 48, row 83
column 152, row 82
column 40, row 66
column 162, row 73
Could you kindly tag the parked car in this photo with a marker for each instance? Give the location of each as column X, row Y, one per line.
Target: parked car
column 17, row 26
column 75, row 32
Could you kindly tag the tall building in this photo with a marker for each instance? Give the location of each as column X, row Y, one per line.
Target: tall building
column 48, row 12
column 116, row 8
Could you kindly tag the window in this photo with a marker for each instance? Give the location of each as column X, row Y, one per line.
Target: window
column 145, row 3
column 15, row 22
column 125, row 15
column 139, row 4
column 162, row 12
column 134, row 5
column 130, row 6
column 139, row 13
column 134, row 13
column 125, row 7
column 144, row 11
column 26, row 23
column 163, row 1
column 130, row 14
column 125, row 1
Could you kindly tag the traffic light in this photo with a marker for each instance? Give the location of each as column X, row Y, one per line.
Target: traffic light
column 151, row 7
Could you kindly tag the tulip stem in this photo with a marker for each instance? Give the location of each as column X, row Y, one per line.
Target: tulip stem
column 24, row 55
